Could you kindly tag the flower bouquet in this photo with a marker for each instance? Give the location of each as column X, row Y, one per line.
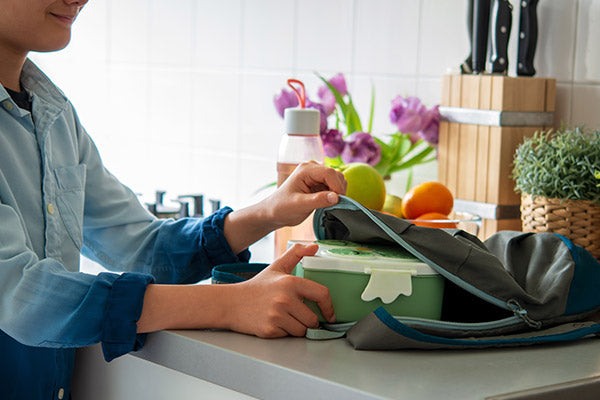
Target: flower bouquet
column 347, row 140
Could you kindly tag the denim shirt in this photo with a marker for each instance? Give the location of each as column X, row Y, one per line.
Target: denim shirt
column 57, row 200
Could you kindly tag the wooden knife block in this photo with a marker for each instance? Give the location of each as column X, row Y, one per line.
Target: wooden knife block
column 475, row 160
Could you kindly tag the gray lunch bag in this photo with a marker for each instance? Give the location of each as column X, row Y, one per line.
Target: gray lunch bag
column 515, row 289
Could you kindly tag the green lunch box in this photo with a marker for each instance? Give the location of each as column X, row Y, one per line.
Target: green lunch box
column 362, row 278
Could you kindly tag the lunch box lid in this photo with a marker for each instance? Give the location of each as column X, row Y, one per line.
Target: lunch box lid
column 360, row 261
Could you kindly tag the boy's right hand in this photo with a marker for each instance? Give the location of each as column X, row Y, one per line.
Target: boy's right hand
column 271, row 304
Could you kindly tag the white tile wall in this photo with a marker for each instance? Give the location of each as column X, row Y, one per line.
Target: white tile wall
column 268, row 34
column 130, row 20
column 171, row 32
column 386, row 41
column 443, row 39
column 587, row 62
column 218, row 34
column 323, row 35
column 179, row 96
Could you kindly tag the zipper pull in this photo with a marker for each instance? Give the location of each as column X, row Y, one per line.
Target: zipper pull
column 522, row 313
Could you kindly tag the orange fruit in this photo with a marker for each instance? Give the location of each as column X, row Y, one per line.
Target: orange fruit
column 427, row 220
column 425, row 198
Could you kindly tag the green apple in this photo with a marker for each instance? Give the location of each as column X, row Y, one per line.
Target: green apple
column 393, row 205
column 365, row 185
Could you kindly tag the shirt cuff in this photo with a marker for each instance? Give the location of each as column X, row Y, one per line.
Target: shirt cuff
column 123, row 310
column 217, row 248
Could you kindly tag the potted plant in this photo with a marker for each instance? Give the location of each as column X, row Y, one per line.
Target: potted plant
column 558, row 176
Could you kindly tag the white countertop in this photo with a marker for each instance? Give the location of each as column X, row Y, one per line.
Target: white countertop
column 297, row 368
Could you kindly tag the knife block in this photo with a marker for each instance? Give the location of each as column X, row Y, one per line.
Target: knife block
column 483, row 120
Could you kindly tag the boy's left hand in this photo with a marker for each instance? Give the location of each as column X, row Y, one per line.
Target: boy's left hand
column 309, row 187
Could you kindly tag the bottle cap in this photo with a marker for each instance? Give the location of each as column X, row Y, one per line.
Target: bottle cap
column 302, row 121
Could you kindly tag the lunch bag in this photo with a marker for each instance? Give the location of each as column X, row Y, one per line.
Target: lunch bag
column 515, row 289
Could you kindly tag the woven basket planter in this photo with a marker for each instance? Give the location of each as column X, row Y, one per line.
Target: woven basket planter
column 578, row 220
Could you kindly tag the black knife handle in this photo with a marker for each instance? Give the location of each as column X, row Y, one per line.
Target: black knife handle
column 481, row 26
column 528, row 30
column 467, row 66
column 501, row 25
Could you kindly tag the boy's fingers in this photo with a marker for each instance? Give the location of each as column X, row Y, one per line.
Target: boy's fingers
column 321, row 178
column 294, row 327
column 335, row 181
column 319, row 294
column 305, row 316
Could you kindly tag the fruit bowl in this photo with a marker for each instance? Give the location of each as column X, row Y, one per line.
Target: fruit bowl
column 456, row 220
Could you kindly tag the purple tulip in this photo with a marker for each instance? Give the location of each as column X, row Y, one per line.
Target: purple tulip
column 326, row 96
column 339, row 83
column 361, row 147
column 431, row 127
column 333, row 142
column 285, row 99
column 327, row 99
column 323, row 115
column 408, row 114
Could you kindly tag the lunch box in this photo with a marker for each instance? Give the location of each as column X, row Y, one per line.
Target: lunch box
column 362, row 278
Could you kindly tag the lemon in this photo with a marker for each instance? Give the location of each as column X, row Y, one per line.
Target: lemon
column 365, row 185
column 393, row 205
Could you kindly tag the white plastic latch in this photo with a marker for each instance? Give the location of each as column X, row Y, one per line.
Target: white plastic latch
column 388, row 284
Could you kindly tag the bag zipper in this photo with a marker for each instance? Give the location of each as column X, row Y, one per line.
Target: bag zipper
column 430, row 323
column 511, row 305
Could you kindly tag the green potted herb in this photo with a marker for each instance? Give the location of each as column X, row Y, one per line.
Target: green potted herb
column 558, row 176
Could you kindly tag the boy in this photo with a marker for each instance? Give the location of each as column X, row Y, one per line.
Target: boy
column 57, row 200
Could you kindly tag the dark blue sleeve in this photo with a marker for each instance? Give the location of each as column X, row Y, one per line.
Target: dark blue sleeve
column 172, row 251
column 187, row 249
column 123, row 310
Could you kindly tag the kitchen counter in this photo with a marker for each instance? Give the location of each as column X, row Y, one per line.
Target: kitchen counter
column 185, row 364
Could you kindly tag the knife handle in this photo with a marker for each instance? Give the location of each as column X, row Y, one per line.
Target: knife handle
column 481, row 25
column 528, row 30
column 467, row 66
column 501, row 26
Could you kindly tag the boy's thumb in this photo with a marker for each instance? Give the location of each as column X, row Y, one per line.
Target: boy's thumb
column 324, row 199
column 288, row 261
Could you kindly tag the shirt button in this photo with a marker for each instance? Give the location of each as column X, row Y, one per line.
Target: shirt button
column 50, row 208
column 61, row 393
column 8, row 105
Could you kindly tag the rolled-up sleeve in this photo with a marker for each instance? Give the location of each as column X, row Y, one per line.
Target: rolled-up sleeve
column 123, row 310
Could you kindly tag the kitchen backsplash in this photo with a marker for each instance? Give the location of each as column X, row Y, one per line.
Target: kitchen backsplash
column 178, row 95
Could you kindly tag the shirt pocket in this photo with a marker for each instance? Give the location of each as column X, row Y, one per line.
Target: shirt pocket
column 70, row 199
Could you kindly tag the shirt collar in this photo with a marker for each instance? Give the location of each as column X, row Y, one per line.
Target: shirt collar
column 38, row 84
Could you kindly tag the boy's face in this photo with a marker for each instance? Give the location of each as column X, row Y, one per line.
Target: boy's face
column 37, row 25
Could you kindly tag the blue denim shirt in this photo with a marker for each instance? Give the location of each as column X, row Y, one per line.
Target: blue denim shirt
column 56, row 201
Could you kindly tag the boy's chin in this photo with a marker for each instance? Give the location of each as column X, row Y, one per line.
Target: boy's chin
column 54, row 45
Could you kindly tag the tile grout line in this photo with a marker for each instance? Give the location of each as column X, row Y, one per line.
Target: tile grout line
column 574, row 58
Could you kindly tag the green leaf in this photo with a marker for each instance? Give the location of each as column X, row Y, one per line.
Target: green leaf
column 372, row 110
column 353, row 122
column 415, row 160
column 333, row 162
column 409, row 179
column 351, row 119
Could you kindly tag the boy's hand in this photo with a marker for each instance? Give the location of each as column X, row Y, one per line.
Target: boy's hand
column 310, row 186
column 271, row 304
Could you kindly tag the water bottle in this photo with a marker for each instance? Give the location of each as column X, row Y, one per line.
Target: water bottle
column 301, row 142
